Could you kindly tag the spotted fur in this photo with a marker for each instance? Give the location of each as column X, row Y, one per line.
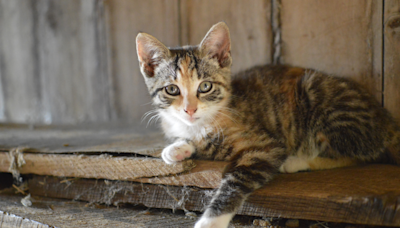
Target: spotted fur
column 265, row 120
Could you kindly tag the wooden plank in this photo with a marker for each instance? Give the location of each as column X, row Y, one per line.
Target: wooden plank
column 392, row 57
column 248, row 22
column 53, row 58
column 93, row 138
column 99, row 167
column 20, row 93
column 46, row 212
column 206, row 174
column 125, row 19
column 203, row 174
column 338, row 37
column 73, row 64
column 8, row 220
column 362, row 195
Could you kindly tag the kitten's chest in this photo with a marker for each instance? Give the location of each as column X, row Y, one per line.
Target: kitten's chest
column 180, row 130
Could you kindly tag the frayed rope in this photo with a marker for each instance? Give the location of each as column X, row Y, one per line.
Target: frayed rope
column 16, row 162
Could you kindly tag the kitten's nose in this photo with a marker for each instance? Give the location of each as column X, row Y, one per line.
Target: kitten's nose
column 190, row 111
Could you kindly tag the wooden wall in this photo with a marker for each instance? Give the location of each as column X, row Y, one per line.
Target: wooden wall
column 71, row 61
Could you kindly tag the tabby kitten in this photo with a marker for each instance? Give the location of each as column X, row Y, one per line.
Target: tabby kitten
column 266, row 120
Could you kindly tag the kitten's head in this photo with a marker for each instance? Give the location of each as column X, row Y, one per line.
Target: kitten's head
column 190, row 84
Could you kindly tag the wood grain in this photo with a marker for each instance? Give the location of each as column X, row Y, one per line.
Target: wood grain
column 73, row 61
column 126, row 19
column 362, row 195
column 342, row 37
column 54, row 62
column 83, row 139
column 205, row 174
column 8, row 220
column 46, row 213
column 98, row 167
column 248, row 22
column 20, row 92
column 392, row 57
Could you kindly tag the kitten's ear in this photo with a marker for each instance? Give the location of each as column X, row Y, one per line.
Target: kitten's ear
column 150, row 51
column 217, row 44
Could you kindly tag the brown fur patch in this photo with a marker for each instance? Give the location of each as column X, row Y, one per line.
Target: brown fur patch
column 184, row 68
column 288, row 87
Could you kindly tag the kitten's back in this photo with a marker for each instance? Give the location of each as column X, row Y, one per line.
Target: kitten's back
column 306, row 107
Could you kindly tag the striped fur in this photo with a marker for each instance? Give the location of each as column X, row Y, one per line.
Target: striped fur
column 265, row 120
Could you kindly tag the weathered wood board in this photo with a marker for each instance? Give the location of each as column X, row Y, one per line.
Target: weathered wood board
column 75, row 61
column 126, row 19
column 105, row 151
column 8, row 220
column 46, row 213
column 54, row 62
column 99, row 167
column 94, row 138
column 203, row 174
column 368, row 195
column 249, row 25
column 363, row 195
column 19, row 86
column 340, row 37
column 392, row 57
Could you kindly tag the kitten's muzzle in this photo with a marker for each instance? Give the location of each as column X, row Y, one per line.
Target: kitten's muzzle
column 190, row 111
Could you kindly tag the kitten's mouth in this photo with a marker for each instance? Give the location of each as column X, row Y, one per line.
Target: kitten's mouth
column 193, row 119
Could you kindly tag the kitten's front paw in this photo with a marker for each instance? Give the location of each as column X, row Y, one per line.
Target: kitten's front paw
column 221, row 221
column 177, row 151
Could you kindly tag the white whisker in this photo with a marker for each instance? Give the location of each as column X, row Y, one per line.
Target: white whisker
column 154, row 118
column 146, row 103
column 218, row 127
column 228, row 116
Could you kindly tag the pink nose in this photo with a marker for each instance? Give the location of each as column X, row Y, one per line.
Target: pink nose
column 190, row 111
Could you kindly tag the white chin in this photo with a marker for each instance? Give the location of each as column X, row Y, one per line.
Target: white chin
column 190, row 122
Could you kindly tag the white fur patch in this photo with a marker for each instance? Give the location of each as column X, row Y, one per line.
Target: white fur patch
column 176, row 152
column 174, row 125
column 294, row 164
column 221, row 221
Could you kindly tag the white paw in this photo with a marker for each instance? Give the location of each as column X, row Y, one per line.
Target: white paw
column 177, row 151
column 221, row 221
column 294, row 164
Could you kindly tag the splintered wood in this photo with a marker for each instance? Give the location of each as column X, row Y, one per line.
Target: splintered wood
column 99, row 167
column 50, row 213
column 112, row 153
column 363, row 195
column 123, row 165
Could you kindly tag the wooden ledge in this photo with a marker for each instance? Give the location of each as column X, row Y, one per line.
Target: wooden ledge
column 362, row 195
column 115, row 155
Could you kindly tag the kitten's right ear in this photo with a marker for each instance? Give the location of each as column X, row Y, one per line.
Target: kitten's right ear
column 150, row 51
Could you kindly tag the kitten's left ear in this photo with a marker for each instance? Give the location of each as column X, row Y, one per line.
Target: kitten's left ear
column 217, row 44
column 150, row 52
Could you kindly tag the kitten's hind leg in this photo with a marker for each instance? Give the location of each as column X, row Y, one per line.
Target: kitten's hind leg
column 248, row 171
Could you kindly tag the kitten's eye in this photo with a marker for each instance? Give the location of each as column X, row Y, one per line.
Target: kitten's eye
column 205, row 87
column 172, row 90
